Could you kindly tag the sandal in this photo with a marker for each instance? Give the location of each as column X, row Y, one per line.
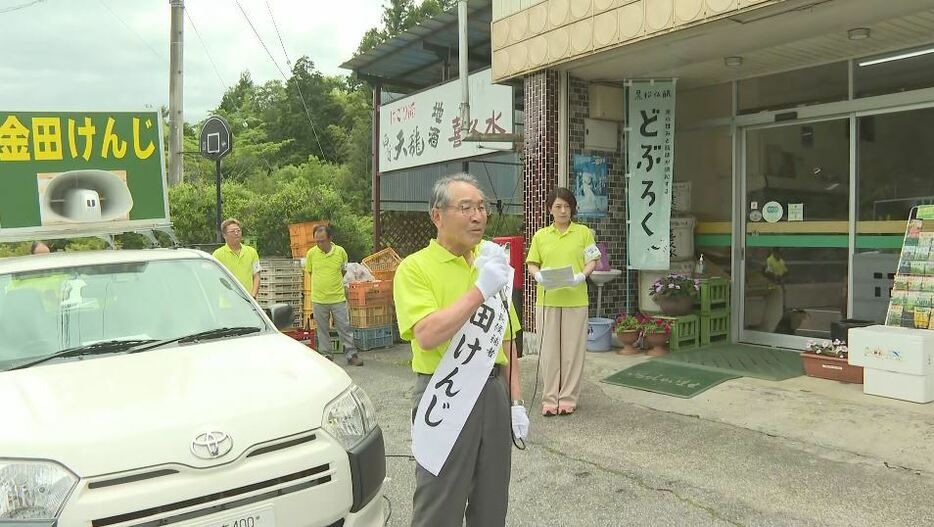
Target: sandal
column 549, row 411
column 565, row 411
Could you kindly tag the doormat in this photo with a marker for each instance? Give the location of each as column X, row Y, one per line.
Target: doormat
column 741, row 360
column 667, row 378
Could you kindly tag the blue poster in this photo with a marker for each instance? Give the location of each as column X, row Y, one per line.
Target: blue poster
column 591, row 188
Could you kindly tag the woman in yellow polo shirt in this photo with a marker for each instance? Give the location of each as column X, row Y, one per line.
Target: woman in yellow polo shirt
column 561, row 311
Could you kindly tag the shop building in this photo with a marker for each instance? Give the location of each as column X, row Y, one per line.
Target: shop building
column 803, row 128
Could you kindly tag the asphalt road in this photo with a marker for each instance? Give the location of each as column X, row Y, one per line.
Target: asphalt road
column 615, row 462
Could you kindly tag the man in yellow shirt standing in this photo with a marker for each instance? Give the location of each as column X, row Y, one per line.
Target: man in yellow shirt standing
column 325, row 262
column 241, row 260
column 437, row 290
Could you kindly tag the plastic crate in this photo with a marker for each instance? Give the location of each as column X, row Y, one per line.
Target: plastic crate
column 685, row 332
column 304, row 336
column 370, row 317
column 372, row 338
column 715, row 327
column 384, row 275
column 366, row 294
column 303, row 234
column 714, row 294
column 385, row 260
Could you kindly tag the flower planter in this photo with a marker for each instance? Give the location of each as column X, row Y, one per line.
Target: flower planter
column 675, row 306
column 830, row 367
column 657, row 341
column 628, row 338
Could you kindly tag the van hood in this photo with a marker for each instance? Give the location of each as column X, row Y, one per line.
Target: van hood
column 113, row 413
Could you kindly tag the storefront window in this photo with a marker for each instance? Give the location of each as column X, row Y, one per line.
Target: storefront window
column 703, row 158
column 696, row 105
column 894, row 173
column 897, row 72
column 815, row 85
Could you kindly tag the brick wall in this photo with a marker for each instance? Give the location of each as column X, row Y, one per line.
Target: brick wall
column 612, row 229
column 540, row 163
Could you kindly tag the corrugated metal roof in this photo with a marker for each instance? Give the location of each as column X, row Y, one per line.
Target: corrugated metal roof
column 414, row 60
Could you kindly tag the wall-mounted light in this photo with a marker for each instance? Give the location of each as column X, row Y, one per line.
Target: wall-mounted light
column 858, row 33
column 733, row 62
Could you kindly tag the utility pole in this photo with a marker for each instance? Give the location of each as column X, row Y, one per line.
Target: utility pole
column 176, row 115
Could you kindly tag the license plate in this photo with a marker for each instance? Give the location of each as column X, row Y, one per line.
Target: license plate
column 263, row 517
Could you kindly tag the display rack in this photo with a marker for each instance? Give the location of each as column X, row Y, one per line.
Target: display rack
column 912, row 298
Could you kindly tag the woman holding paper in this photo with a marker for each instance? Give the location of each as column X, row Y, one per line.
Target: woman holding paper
column 561, row 257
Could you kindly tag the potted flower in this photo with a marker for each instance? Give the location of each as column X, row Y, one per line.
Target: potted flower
column 656, row 331
column 828, row 360
column 628, row 328
column 675, row 294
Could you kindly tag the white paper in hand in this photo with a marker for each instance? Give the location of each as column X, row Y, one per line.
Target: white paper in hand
column 558, row 278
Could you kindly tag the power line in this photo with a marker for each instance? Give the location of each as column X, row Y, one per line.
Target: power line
column 20, row 6
column 281, row 43
column 131, row 30
column 300, row 94
column 206, row 52
column 255, row 32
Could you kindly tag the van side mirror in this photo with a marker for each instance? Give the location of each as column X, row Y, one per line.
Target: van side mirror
column 280, row 314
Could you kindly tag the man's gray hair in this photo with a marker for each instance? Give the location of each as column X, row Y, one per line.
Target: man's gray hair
column 441, row 195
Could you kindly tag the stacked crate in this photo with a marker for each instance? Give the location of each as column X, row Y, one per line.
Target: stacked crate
column 714, row 310
column 302, row 237
column 280, row 281
column 371, row 314
column 382, row 265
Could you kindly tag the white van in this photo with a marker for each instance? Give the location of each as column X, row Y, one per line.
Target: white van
column 145, row 388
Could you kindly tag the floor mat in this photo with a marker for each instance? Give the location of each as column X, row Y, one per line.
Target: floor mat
column 741, row 360
column 668, row 378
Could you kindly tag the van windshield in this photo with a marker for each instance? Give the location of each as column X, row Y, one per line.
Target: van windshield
column 44, row 312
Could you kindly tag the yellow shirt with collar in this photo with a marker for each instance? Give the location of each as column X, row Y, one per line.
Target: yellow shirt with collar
column 427, row 281
column 327, row 274
column 551, row 249
column 242, row 265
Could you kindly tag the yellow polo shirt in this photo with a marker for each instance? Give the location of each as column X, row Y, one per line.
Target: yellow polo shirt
column 242, row 265
column 551, row 249
column 327, row 274
column 427, row 281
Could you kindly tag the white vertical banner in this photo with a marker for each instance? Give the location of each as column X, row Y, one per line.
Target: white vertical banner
column 650, row 160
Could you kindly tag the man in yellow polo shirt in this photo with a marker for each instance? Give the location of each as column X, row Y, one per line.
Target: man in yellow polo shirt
column 436, row 291
column 241, row 260
column 326, row 262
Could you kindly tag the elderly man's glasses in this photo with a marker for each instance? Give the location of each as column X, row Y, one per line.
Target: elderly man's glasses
column 234, row 231
column 469, row 210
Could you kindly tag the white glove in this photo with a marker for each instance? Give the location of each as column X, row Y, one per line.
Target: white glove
column 488, row 248
column 539, row 278
column 520, row 422
column 579, row 278
column 495, row 273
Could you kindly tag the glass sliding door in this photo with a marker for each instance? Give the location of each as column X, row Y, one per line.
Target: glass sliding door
column 795, row 235
column 895, row 171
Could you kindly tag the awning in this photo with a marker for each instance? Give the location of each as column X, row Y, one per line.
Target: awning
column 416, row 59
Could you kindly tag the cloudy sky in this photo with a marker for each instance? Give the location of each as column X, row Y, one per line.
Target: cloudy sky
column 114, row 54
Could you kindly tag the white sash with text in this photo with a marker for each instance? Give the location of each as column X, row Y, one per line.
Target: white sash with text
column 457, row 383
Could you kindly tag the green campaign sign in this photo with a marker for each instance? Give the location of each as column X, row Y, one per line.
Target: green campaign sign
column 81, row 172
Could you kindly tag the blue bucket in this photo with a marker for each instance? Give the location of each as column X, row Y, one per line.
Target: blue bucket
column 599, row 334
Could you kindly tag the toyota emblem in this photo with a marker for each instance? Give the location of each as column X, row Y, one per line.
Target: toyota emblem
column 211, row 445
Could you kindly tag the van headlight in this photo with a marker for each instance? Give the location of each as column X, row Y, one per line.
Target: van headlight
column 350, row 417
column 33, row 490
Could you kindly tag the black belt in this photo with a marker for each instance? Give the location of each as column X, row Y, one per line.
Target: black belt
column 493, row 372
